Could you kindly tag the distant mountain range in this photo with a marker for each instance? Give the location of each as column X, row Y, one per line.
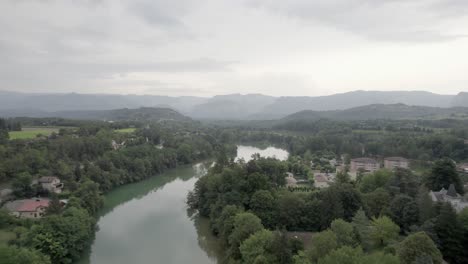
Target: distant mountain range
column 382, row 111
column 145, row 114
column 234, row 106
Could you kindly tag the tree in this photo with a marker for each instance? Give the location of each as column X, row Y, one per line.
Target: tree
column 373, row 181
column 258, row 245
column 404, row 211
column 245, row 224
column 224, row 224
column 13, row 255
column 5, row 218
column 450, row 234
column 443, row 174
column 425, row 205
column 301, row 258
column 283, row 247
column 417, row 246
column 22, row 185
column 88, row 192
column 64, row 237
column 379, row 257
column 55, row 207
column 344, row 232
column 343, row 177
column 322, row 243
column 343, row 255
column 362, row 228
column 383, row 231
column 463, row 219
column 376, row 202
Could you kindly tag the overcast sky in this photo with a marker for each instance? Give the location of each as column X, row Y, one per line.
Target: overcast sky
column 208, row 47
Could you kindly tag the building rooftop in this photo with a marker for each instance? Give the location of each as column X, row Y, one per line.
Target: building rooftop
column 31, row 205
column 320, row 178
column 401, row 159
column 47, row 179
column 364, row 160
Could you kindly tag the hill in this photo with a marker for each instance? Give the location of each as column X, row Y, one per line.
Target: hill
column 289, row 105
column 146, row 114
column 382, row 111
column 228, row 107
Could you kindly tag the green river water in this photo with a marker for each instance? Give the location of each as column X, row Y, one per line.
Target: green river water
column 148, row 222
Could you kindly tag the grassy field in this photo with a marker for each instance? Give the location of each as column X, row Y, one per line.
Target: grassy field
column 32, row 132
column 125, row 130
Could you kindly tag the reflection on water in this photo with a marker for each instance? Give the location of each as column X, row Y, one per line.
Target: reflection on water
column 147, row 222
column 246, row 152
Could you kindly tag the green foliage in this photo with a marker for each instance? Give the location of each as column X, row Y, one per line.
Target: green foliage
column 63, row 238
column 89, row 196
column 425, row 205
column 55, row 207
column 404, row 211
column 443, row 174
column 22, row 186
column 322, row 243
column 383, row 231
column 450, row 233
column 245, row 224
column 463, row 219
column 362, row 228
column 258, row 245
column 5, row 218
column 344, row 232
column 343, row 255
column 376, row 202
column 416, row 246
column 373, row 181
column 263, row 204
column 14, row 255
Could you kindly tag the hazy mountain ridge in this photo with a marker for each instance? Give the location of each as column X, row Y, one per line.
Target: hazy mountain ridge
column 382, row 111
column 233, row 106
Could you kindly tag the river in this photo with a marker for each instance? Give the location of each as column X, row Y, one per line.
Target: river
column 148, row 222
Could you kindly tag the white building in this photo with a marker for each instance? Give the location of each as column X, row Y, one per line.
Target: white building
column 365, row 164
column 450, row 196
column 51, row 184
column 392, row 163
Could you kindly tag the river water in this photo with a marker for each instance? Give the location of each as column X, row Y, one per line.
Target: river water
column 148, row 222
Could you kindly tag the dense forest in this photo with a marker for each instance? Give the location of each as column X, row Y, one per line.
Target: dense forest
column 84, row 158
column 384, row 217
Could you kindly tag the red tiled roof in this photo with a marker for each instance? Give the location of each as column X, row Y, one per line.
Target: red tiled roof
column 32, row 205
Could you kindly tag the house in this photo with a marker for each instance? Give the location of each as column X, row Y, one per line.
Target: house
column 290, row 180
column 116, row 146
column 323, row 180
column 451, row 196
column 51, row 184
column 365, row 164
column 392, row 163
column 463, row 167
column 28, row 208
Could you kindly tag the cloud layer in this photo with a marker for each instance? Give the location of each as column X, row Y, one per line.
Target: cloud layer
column 208, row 47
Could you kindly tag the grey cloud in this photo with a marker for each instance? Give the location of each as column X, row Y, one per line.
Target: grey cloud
column 386, row 20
